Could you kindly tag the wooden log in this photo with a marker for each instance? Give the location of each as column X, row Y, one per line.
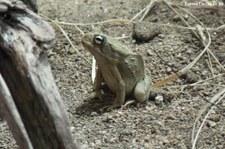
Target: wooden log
column 32, row 4
column 26, row 71
column 9, row 112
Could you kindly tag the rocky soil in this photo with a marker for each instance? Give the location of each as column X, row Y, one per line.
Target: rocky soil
column 149, row 126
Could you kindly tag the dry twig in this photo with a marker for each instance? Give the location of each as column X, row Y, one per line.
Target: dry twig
column 215, row 100
column 65, row 34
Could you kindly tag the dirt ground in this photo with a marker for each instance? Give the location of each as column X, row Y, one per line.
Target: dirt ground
column 149, row 126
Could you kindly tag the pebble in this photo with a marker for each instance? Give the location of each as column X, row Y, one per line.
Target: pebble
column 98, row 142
column 159, row 100
column 166, row 141
column 52, row 58
column 149, row 108
column 150, row 52
column 148, row 145
column 171, row 117
column 72, row 128
column 144, row 32
column 185, row 16
column 146, row 138
column 211, row 124
column 3, row 8
column 176, row 18
column 169, row 69
column 220, row 146
column 161, row 36
column 163, row 10
column 189, row 51
column 133, row 41
column 51, row 53
column 112, row 140
column 159, row 123
column 204, row 72
column 84, row 146
column 94, row 113
column 120, row 113
column 71, row 51
column 215, row 118
column 57, row 79
column 72, row 92
column 182, row 146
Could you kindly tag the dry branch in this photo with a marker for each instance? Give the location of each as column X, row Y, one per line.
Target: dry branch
column 27, row 74
column 32, row 4
column 10, row 113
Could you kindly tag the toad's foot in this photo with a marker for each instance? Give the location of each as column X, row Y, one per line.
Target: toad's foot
column 95, row 94
column 129, row 103
column 110, row 107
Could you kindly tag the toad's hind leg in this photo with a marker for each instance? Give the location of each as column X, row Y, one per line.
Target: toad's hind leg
column 142, row 89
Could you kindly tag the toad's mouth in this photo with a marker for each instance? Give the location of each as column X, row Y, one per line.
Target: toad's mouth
column 87, row 44
column 91, row 48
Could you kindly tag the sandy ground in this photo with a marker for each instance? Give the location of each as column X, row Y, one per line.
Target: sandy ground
column 150, row 125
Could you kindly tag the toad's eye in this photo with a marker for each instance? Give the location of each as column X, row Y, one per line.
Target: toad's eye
column 99, row 40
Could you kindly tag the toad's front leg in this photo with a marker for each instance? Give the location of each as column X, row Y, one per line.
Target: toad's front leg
column 120, row 89
column 97, row 86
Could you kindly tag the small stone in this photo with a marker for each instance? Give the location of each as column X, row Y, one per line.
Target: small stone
column 182, row 146
column 57, row 79
column 3, row 8
column 84, row 146
column 71, row 51
column 161, row 36
column 73, row 92
column 104, row 10
column 179, row 55
column 166, row 141
column 51, row 53
column 215, row 117
column 92, row 144
column 155, row 19
column 223, row 104
column 149, row 108
column 133, row 41
column 220, row 146
column 93, row 113
column 204, row 72
column 159, row 100
column 171, row 117
column 52, row 58
column 120, row 112
column 190, row 77
column 189, row 51
column 169, row 69
column 134, row 142
column 72, row 128
column 163, row 10
column 211, row 124
column 185, row 16
column 146, row 138
column 176, row 18
column 112, row 140
column 148, row 145
column 98, row 142
column 150, row 52
column 159, row 123
column 144, row 32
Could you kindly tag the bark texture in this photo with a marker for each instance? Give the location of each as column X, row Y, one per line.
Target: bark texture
column 30, row 101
